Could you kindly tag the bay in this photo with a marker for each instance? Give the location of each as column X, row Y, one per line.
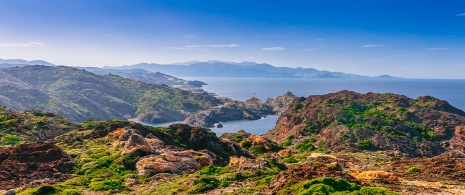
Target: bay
column 452, row 91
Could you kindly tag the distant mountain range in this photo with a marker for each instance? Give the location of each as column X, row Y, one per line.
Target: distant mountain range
column 232, row 69
column 141, row 71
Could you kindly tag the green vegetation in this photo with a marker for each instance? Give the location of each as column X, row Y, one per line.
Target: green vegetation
column 325, row 186
column 10, row 139
column 365, row 144
column 288, row 141
column 289, row 160
column 414, row 169
column 257, row 149
column 203, row 184
column 246, row 144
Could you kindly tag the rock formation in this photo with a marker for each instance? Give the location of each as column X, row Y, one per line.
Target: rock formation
column 30, row 165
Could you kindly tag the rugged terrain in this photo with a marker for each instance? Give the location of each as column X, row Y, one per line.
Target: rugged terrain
column 350, row 122
column 81, row 95
column 251, row 109
column 340, row 143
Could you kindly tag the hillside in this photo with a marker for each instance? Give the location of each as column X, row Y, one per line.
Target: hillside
column 31, row 126
column 245, row 69
column 80, row 95
column 123, row 157
column 349, row 121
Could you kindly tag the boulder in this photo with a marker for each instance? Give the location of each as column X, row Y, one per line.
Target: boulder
column 137, row 145
column 187, row 161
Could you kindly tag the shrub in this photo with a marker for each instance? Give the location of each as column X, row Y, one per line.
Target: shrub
column 246, row 144
column 72, row 192
column 111, row 184
column 414, row 169
column 364, row 144
column 289, row 160
column 10, row 139
column 204, row 184
column 211, row 170
column 41, row 190
column 302, row 147
column 258, row 149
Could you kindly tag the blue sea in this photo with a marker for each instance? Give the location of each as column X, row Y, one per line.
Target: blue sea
column 453, row 91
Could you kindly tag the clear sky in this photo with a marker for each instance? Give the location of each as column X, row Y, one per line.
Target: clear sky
column 407, row 38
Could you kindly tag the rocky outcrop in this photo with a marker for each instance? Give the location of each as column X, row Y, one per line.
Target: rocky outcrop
column 251, row 109
column 457, row 143
column 303, row 172
column 240, row 137
column 199, row 138
column 349, row 121
column 281, row 103
column 30, row 165
column 187, row 161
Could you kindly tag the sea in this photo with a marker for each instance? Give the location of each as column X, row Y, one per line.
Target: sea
column 452, row 91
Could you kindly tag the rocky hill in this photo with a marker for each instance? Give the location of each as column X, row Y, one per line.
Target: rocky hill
column 80, row 95
column 123, row 157
column 394, row 124
column 31, row 126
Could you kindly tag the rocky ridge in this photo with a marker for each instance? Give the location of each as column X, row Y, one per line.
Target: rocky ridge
column 395, row 124
column 30, row 165
column 251, row 109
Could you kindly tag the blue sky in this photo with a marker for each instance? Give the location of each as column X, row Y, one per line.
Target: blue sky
column 415, row 39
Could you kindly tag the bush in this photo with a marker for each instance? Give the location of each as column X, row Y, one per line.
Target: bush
column 364, row 144
column 72, row 192
column 288, row 141
column 246, row 144
column 302, row 147
column 258, row 149
column 204, row 184
column 414, row 169
column 42, row 190
column 211, row 170
column 10, row 139
column 289, row 160
column 111, row 184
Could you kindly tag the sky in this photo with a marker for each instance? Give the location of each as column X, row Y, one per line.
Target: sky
column 412, row 39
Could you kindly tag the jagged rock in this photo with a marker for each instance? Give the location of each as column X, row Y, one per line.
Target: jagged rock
column 281, row 103
column 285, row 153
column 457, row 143
column 303, row 172
column 198, row 138
column 137, row 145
column 131, row 181
column 30, row 165
column 173, row 162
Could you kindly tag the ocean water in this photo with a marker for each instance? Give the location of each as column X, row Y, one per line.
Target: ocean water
column 242, row 89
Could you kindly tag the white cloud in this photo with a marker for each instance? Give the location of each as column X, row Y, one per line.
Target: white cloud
column 437, row 48
column 177, row 48
column 313, row 49
column 368, row 46
column 462, row 14
column 37, row 43
column 274, row 48
column 195, row 46
column 17, row 45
